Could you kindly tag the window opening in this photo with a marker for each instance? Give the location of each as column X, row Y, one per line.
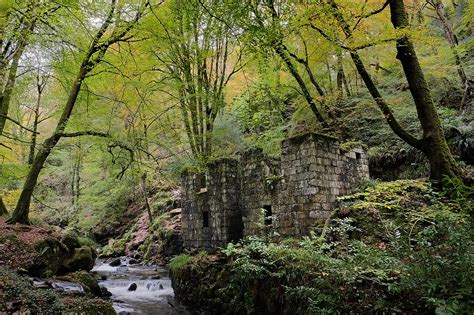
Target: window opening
column 268, row 215
column 205, row 219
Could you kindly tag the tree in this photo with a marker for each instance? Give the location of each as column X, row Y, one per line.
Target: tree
column 16, row 27
column 433, row 143
column 196, row 57
column 103, row 39
column 269, row 27
column 41, row 81
column 452, row 39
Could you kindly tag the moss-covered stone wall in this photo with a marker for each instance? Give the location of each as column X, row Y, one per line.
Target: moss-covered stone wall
column 257, row 194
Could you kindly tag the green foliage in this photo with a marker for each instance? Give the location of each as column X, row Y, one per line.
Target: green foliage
column 179, row 262
column 260, row 112
column 14, row 286
column 115, row 248
column 347, row 146
column 397, row 247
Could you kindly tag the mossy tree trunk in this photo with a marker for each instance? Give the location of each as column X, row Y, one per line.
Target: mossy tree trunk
column 433, row 143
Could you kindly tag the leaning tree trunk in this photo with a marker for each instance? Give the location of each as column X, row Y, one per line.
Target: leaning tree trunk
column 94, row 56
column 433, row 143
column 304, row 89
column 21, row 213
column 3, row 208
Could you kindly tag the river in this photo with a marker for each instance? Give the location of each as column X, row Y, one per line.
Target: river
column 153, row 294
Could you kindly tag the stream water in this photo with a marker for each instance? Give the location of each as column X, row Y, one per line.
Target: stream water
column 153, row 293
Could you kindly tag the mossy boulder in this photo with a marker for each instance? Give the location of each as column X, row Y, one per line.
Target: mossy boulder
column 50, row 258
column 71, row 240
column 82, row 259
column 114, row 248
column 85, row 279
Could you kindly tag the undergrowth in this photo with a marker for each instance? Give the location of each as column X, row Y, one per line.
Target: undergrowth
column 398, row 247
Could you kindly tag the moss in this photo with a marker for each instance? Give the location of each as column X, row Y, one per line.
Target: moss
column 26, row 298
column 71, row 240
column 3, row 209
column 85, row 279
column 51, row 256
column 348, row 146
column 114, row 248
column 86, row 241
column 86, row 305
column 178, row 263
column 83, row 259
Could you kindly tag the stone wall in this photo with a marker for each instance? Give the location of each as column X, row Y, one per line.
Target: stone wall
column 314, row 172
column 211, row 214
column 257, row 194
column 259, row 190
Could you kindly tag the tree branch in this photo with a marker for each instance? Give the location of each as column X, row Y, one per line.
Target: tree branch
column 18, row 123
column 83, row 133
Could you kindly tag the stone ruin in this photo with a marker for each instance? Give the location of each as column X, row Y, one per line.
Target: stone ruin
column 258, row 194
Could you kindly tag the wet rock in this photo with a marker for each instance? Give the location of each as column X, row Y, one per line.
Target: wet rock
column 86, row 280
column 41, row 284
column 105, row 293
column 67, row 287
column 116, row 262
column 132, row 262
column 83, row 259
column 154, row 287
column 103, row 277
column 132, row 287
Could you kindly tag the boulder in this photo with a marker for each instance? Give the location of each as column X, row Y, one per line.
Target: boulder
column 86, row 280
column 71, row 240
column 115, row 263
column 132, row 287
column 105, row 293
column 50, row 258
column 83, row 259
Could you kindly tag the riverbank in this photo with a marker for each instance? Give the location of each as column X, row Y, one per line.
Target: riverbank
column 398, row 247
column 43, row 270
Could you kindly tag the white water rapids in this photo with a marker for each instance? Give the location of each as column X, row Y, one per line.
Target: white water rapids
column 153, row 295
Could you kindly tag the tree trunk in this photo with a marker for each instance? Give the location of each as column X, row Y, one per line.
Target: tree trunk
column 40, row 87
column 93, row 57
column 3, row 208
column 145, row 198
column 21, row 213
column 304, row 89
column 339, row 74
column 434, row 143
column 450, row 36
column 7, row 91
